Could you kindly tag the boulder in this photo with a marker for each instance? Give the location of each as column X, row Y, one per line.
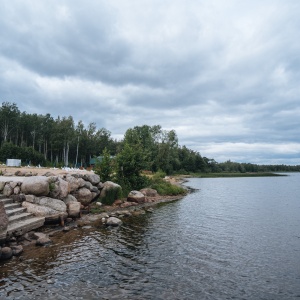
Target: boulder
column 13, row 184
column 84, row 196
column 16, row 250
column 149, row 192
column 37, row 235
column 19, row 173
column 64, row 188
column 126, row 204
column 3, row 218
column 94, row 179
column 7, row 190
column 88, row 185
column 2, row 184
column 7, row 253
column 54, row 204
column 59, row 188
column 113, row 221
column 73, row 209
column 70, row 198
column 49, row 174
column 43, row 241
column 136, row 196
column 17, row 190
column 53, row 210
column 18, row 198
column 36, row 185
column 75, row 183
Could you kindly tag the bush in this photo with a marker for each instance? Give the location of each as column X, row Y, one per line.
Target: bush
column 111, row 196
column 159, row 174
column 166, row 188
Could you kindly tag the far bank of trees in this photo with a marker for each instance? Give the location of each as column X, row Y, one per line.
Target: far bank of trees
column 41, row 139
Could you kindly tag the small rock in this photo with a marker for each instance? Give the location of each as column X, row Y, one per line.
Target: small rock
column 118, row 202
column 126, row 204
column 43, row 241
column 113, row 221
column 66, row 228
column 37, row 235
column 126, row 213
column 17, row 250
column 6, row 253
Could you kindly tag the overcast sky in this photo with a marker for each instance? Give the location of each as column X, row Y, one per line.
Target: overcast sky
column 224, row 74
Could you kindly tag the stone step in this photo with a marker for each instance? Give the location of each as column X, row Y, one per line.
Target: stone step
column 12, row 206
column 6, row 200
column 19, row 217
column 23, row 226
column 15, row 211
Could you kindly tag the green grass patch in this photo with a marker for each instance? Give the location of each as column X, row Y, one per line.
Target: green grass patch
column 165, row 188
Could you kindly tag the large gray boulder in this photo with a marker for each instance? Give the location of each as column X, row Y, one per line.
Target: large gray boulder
column 64, row 188
column 136, row 196
column 94, row 179
column 55, row 204
column 36, row 185
column 52, row 209
column 75, row 182
column 59, row 188
column 73, row 209
column 3, row 218
column 70, row 198
column 7, row 190
column 149, row 192
column 84, row 196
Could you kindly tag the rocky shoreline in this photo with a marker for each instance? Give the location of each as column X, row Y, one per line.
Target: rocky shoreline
column 112, row 217
column 92, row 213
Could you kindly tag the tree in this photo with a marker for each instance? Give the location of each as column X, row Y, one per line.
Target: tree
column 104, row 167
column 9, row 114
column 129, row 164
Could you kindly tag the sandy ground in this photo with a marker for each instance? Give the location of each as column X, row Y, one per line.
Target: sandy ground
column 8, row 173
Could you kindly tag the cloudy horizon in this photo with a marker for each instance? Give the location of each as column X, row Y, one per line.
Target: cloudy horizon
column 223, row 74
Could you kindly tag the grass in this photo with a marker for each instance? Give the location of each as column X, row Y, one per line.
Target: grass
column 165, row 188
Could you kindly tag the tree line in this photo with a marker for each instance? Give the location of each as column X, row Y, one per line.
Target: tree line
column 41, row 139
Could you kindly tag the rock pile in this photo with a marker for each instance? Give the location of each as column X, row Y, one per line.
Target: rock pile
column 54, row 197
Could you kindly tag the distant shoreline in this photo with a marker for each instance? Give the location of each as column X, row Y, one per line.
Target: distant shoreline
column 232, row 175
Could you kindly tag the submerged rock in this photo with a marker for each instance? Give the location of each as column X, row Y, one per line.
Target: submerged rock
column 6, row 253
column 113, row 221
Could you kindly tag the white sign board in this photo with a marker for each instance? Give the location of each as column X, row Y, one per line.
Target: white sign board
column 13, row 162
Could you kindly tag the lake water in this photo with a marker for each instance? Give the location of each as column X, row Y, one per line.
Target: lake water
column 234, row 238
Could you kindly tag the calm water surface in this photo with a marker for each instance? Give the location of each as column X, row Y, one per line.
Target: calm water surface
column 234, row 238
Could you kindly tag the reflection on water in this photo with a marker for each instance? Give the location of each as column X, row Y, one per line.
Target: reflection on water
column 233, row 238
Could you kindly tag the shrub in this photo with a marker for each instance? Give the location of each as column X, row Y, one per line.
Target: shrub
column 166, row 188
column 111, row 196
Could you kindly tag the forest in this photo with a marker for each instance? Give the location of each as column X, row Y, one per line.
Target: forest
column 42, row 140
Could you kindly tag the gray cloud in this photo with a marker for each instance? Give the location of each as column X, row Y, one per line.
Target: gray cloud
column 223, row 75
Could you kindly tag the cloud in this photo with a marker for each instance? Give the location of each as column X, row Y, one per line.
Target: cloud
column 219, row 73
